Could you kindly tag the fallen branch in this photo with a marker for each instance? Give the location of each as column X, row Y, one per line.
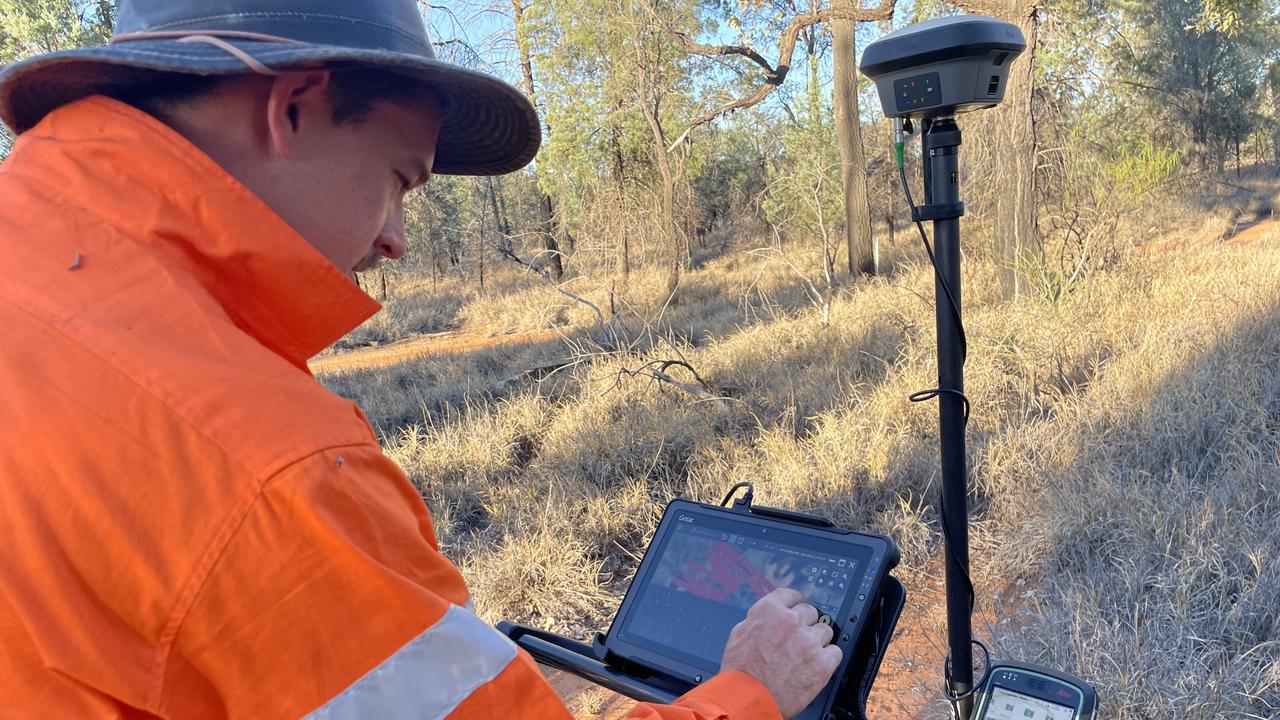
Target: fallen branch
column 657, row 370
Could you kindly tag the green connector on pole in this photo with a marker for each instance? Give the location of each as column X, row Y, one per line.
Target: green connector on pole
column 899, row 140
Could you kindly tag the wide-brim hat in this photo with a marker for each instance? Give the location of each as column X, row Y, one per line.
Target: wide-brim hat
column 489, row 127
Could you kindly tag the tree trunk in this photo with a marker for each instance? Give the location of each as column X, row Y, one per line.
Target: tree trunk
column 620, row 184
column 553, row 263
column 1273, row 86
column 500, row 225
column 650, row 98
column 549, row 229
column 853, row 163
column 1017, row 240
column 669, row 230
column 483, row 228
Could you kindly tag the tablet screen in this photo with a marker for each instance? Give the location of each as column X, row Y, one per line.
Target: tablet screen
column 709, row 572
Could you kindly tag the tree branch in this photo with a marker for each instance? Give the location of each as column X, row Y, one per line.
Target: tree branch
column 609, row 332
column 774, row 75
column 1174, row 96
column 698, row 48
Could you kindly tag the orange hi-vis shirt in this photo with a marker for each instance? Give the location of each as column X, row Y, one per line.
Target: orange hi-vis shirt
column 192, row 526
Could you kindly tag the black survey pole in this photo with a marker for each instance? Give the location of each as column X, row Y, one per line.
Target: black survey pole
column 941, row 144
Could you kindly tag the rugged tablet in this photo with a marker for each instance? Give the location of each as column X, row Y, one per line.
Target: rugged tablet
column 707, row 565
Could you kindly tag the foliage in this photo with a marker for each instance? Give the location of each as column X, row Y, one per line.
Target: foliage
column 1228, row 16
column 30, row 27
column 591, row 57
column 1199, row 77
column 1137, row 171
column 804, row 199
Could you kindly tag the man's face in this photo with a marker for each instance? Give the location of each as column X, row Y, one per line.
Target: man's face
column 349, row 181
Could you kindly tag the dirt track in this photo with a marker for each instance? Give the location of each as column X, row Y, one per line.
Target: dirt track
column 1253, row 232
column 451, row 342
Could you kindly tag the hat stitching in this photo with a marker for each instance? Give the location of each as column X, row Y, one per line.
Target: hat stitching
column 303, row 15
column 120, row 51
column 261, row 54
column 273, row 54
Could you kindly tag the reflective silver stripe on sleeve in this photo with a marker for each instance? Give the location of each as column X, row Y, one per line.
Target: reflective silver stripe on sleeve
column 430, row 676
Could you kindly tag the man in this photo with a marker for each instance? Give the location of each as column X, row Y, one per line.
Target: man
column 192, row 526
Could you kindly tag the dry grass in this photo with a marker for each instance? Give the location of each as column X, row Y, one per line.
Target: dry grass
column 1125, row 447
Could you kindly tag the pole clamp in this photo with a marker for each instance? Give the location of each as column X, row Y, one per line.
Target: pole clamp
column 937, row 211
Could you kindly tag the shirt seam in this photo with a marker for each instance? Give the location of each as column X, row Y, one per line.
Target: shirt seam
column 209, row 563
column 260, row 479
column 201, row 164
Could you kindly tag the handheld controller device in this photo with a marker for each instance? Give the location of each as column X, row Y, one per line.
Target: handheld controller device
column 1018, row 691
column 708, row 565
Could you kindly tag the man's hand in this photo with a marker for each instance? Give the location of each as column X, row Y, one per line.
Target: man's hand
column 782, row 645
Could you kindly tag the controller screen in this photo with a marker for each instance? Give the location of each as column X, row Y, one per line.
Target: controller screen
column 710, row 573
column 1006, row 704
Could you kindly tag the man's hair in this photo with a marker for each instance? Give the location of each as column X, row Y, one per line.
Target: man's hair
column 353, row 91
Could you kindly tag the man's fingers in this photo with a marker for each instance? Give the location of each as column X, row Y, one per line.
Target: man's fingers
column 787, row 597
column 821, row 633
column 808, row 613
column 828, row 660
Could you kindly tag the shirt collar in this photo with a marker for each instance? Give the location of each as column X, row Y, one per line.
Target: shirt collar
column 163, row 192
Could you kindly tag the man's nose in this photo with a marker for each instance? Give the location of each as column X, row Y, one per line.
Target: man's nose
column 391, row 241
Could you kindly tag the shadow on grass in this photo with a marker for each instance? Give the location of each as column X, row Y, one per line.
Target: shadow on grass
column 1159, row 565
column 434, row 388
column 1142, row 520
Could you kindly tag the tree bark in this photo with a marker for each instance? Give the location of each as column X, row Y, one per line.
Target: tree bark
column 550, row 229
column 1017, row 238
column 620, row 186
column 1017, row 233
column 669, row 229
column 499, row 218
column 853, row 163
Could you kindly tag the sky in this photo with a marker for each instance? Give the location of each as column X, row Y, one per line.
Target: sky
column 478, row 34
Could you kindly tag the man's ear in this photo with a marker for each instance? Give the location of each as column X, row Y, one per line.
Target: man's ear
column 296, row 97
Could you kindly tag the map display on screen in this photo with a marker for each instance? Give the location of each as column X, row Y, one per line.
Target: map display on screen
column 707, row 578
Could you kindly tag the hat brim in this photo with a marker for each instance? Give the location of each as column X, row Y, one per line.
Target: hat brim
column 489, row 128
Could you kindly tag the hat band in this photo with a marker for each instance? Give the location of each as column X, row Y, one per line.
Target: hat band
column 216, row 39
